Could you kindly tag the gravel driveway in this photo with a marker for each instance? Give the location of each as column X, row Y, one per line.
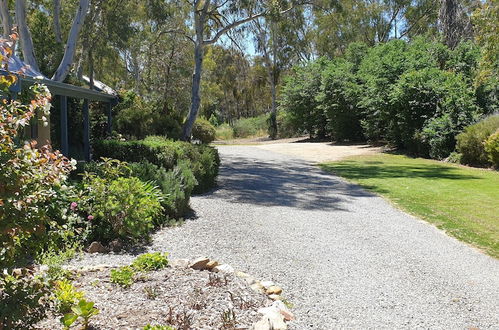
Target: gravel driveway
column 345, row 258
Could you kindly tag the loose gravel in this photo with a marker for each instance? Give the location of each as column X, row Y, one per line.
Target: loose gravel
column 345, row 258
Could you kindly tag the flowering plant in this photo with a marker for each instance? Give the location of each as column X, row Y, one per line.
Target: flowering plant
column 29, row 174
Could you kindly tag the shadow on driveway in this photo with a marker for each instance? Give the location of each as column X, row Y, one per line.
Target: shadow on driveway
column 290, row 184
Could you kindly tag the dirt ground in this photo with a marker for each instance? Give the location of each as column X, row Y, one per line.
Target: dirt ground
column 315, row 152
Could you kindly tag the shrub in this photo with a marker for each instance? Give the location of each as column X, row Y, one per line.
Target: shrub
column 224, row 132
column 492, row 148
column 123, row 276
column 24, row 299
column 176, row 185
column 203, row 131
column 429, row 108
column 338, row 99
column 299, row 99
column 66, row 296
column 250, row 127
column 29, row 178
column 121, row 208
column 137, row 118
column 165, row 153
column 150, row 261
column 471, row 142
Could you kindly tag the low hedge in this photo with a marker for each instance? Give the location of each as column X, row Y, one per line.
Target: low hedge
column 166, row 154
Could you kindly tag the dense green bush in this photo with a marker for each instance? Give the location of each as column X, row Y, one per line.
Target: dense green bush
column 492, row 148
column 299, row 99
column 120, row 207
column 24, row 299
column 203, row 131
column 415, row 95
column 470, row 143
column 137, row 118
column 176, row 185
column 429, row 107
column 165, row 153
column 338, row 98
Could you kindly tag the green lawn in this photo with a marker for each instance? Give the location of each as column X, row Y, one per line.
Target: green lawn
column 462, row 201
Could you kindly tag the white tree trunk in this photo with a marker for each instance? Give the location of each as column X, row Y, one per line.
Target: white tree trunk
column 25, row 35
column 199, row 25
column 69, row 51
column 196, row 91
column 6, row 20
column 57, row 21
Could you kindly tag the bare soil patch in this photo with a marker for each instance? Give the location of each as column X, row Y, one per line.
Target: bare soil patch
column 319, row 152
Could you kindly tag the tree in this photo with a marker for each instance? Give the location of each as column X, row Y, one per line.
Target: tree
column 277, row 38
column 454, row 22
column 213, row 19
column 26, row 40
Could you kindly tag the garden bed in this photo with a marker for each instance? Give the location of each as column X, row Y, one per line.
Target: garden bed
column 181, row 297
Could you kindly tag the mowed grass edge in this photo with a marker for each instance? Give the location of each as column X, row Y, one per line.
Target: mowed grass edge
column 460, row 200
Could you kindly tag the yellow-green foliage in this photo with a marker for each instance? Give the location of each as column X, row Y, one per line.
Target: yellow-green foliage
column 492, row 148
column 66, row 296
column 123, row 276
column 150, row 261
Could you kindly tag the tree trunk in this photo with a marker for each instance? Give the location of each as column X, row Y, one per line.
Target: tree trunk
column 57, row 23
column 6, row 20
column 69, row 51
column 196, row 91
column 25, row 35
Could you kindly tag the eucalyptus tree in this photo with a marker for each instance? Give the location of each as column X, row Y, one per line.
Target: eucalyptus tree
column 281, row 41
column 25, row 38
column 212, row 19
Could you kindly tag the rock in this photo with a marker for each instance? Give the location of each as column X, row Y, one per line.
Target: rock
column 275, row 297
column 224, row 268
column 283, row 309
column 96, row 247
column 242, row 275
column 212, row 264
column 180, row 263
column 276, row 321
column 263, row 324
column 199, row 263
column 274, row 289
column 116, row 245
column 267, row 284
column 257, row 287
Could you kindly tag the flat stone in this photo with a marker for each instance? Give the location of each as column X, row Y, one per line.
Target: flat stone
column 212, row 264
column 96, row 247
column 262, row 324
column 199, row 263
column 274, row 289
column 275, row 297
column 284, row 310
column 180, row 263
column 276, row 321
column 224, row 268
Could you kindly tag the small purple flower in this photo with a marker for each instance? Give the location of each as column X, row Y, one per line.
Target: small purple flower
column 90, row 217
column 73, row 206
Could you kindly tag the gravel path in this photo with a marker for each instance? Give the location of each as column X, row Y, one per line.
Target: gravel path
column 345, row 258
